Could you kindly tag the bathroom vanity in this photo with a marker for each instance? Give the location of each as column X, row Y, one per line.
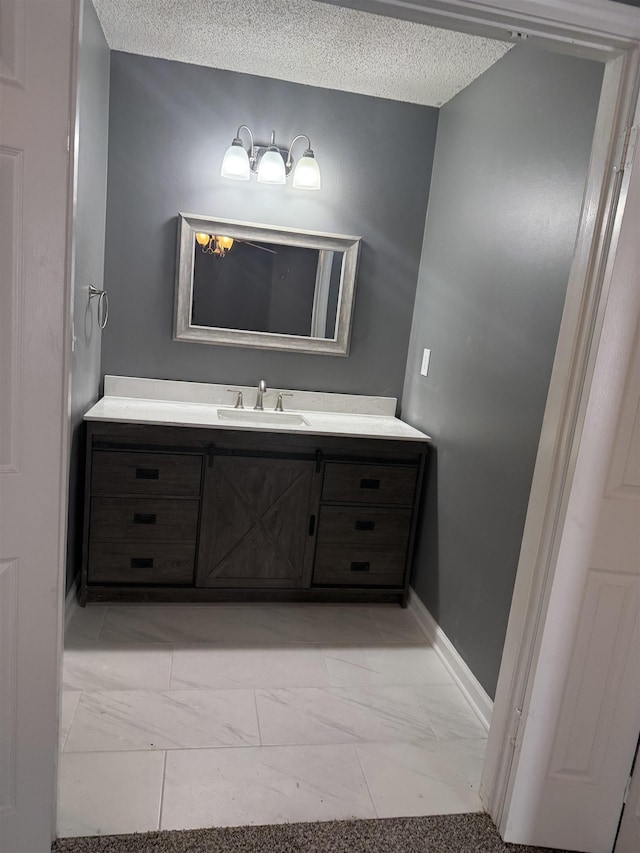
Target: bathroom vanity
column 189, row 499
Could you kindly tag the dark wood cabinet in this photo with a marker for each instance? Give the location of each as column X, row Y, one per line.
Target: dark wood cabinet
column 141, row 563
column 370, row 484
column 365, row 524
column 145, row 473
column 144, row 519
column 255, row 523
column 143, row 508
column 189, row 514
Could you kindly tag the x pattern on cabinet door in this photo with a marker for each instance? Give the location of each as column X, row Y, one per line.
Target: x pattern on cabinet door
column 255, row 522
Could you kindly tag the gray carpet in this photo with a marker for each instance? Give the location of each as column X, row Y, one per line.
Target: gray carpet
column 467, row 833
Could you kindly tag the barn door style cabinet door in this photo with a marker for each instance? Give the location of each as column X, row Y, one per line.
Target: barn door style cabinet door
column 257, row 523
column 193, row 514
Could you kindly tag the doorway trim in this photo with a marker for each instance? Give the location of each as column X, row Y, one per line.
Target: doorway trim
column 598, row 31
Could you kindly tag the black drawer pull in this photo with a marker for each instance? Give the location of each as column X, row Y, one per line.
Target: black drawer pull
column 362, row 524
column 142, row 562
column 144, row 518
column 312, row 525
column 369, row 484
column 359, row 567
column 147, row 474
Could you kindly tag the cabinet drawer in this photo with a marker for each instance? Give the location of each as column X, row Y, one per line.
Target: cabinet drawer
column 137, row 562
column 364, row 526
column 114, row 472
column 350, row 565
column 145, row 519
column 376, row 484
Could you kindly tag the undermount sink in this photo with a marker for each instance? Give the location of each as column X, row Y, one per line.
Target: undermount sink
column 251, row 416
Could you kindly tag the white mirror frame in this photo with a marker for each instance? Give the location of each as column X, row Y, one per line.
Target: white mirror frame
column 184, row 330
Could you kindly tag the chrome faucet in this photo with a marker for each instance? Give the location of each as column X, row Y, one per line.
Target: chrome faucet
column 262, row 387
column 239, row 402
column 279, row 407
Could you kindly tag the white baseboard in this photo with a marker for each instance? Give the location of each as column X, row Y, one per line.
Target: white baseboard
column 70, row 604
column 450, row 657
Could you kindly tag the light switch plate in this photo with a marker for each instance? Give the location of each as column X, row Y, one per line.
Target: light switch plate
column 424, row 367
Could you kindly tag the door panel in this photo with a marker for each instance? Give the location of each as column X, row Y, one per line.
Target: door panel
column 599, row 717
column 36, row 55
column 579, row 738
column 629, row 835
column 255, row 519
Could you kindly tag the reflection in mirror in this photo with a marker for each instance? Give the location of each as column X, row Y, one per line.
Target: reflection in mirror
column 244, row 284
column 265, row 287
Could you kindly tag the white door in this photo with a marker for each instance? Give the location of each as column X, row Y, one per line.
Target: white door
column 629, row 835
column 582, row 723
column 35, row 90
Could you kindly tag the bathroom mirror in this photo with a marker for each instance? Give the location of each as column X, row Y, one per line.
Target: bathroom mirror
column 252, row 285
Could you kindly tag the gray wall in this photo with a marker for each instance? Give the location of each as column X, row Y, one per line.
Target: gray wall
column 509, row 170
column 88, row 253
column 170, row 124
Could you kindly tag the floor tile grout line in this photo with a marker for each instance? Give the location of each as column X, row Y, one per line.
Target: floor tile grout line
column 66, row 739
column 410, row 740
column 424, row 716
column 255, row 701
column 316, row 686
column 366, row 781
column 365, row 687
column 173, row 657
column 102, row 621
column 375, row 624
column 162, row 787
column 425, row 712
column 332, row 680
column 114, row 643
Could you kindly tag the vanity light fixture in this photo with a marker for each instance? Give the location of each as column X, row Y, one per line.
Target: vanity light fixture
column 272, row 164
column 271, row 168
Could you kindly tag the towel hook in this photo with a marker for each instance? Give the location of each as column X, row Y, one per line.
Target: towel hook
column 103, row 304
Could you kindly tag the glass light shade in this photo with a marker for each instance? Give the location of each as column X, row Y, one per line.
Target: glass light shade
column 235, row 164
column 202, row 239
column 306, row 175
column 271, row 169
column 225, row 242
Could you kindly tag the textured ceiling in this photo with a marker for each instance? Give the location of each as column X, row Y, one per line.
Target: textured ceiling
column 304, row 41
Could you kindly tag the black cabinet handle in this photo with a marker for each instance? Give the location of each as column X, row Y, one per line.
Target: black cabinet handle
column 318, row 461
column 147, row 474
column 369, row 484
column 144, row 518
column 312, row 525
column 359, row 567
column 142, row 562
column 364, row 524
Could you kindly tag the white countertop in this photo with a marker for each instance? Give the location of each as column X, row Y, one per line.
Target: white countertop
column 140, row 401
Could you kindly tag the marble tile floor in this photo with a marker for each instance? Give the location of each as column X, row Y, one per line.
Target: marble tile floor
column 186, row 716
